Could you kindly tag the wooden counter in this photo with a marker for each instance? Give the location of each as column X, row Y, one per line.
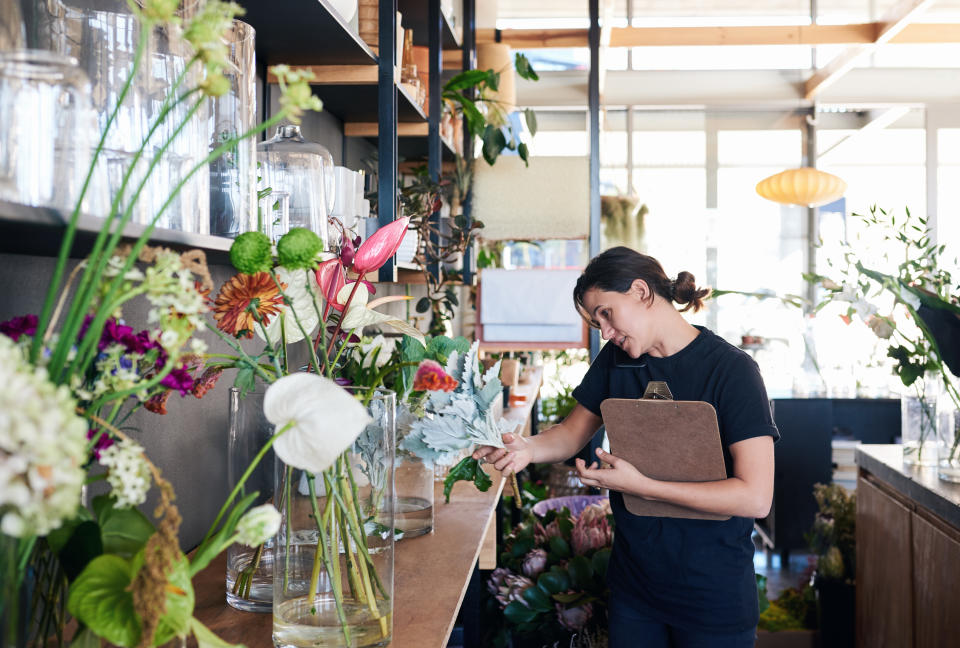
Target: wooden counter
column 431, row 572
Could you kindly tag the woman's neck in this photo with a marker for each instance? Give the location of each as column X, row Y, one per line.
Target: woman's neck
column 675, row 334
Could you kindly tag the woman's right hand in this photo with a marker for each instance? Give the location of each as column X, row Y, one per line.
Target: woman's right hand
column 513, row 458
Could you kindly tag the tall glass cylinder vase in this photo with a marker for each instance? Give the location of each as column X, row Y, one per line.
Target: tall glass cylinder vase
column 333, row 581
column 948, row 438
column 918, row 422
column 250, row 569
column 233, row 176
column 104, row 36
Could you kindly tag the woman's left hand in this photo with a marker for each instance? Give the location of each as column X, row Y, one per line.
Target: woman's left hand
column 619, row 475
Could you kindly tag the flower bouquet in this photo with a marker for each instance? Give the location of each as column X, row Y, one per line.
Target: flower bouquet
column 76, row 372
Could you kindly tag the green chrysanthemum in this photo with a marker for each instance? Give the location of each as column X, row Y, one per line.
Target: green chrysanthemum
column 299, row 249
column 250, row 253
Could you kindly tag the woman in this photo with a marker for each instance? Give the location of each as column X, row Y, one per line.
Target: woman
column 673, row 582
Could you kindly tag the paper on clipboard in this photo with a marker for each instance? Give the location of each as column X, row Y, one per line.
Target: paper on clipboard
column 666, row 440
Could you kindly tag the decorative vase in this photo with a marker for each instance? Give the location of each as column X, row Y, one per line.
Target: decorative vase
column 918, row 423
column 103, row 35
column 948, row 439
column 249, row 584
column 333, row 581
column 233, row 176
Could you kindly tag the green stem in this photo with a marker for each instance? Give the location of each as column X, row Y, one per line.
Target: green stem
column 243, row 479
column 239, row 349
column 66, row 244
column 346, row 309
column 321, row 553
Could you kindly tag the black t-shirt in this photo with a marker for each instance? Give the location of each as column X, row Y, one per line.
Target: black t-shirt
column 695, row 574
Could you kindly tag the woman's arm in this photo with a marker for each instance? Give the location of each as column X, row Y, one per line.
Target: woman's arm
column 554, row 444
column 748, row 493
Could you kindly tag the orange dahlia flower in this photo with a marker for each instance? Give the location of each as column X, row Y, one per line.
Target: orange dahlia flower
column 240, row 296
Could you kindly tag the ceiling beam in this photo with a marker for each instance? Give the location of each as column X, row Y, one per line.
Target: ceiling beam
column 892, row 23
column 876, row 123
column 852, row 34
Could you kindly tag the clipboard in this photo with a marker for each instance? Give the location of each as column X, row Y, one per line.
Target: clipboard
column 667, row 440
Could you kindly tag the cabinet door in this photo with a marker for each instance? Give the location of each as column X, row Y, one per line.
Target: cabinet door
column 884, row 570
column 936, row 574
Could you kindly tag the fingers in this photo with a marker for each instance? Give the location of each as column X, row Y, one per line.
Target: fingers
column 483, row 452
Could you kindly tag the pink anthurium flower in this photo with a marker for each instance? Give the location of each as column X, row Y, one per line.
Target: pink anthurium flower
column 332, row 278
column 382, row 245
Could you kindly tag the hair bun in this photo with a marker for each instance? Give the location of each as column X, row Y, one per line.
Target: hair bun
column 685, row 291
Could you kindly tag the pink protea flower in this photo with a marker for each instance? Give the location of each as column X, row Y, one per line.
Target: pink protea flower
column 431, row 377
column 574, row 618
column 591, row 531
column 534, row 563
column 510, row 587
column 542, row 534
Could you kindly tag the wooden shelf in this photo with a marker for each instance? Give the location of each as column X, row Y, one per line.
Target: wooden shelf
column 412, row 139
column 305, row 31
column 431, row 574
column 415, row 17
column 39, row 230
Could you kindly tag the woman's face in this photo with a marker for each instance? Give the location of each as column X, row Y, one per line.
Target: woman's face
column 623, row 318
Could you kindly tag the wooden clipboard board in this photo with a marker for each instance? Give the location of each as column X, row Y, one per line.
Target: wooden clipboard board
column 667, row 440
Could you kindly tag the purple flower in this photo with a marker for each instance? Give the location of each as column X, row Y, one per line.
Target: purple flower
column 114, row 333
column 103, row 442
column 343, row 382
column 534, row 563
column 14, row 328
column 574, row 618
column 180, row 380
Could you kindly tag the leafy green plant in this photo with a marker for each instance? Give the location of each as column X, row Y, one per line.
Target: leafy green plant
column 833, row 534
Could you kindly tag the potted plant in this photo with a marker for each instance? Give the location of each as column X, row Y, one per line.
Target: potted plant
column 833, row 539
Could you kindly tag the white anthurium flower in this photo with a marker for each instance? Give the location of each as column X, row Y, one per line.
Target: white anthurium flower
column 321, row 420
column 303, row 304
column 361, row 313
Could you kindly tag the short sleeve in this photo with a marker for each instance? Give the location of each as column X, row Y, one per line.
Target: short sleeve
column 743, row 407
column 595, row 386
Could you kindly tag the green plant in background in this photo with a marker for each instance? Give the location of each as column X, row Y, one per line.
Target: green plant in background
column 924, row 291
column 551, row 586
column 833, row 535
column 794, row 609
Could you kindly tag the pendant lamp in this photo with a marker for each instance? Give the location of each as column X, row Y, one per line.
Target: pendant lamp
column 805, row 186
column 498, row 57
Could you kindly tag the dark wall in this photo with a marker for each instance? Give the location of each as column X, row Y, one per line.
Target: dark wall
column 189, row 443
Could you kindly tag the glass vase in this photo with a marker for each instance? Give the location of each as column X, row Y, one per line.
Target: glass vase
column 948, row 438
column 47, row 132
column 918, row 422
column 233, row 176
column 104, row 35
column 415, row 494
column 249, row 584
column 333, row 582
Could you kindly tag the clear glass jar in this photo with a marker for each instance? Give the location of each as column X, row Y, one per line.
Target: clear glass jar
column 233, row 176
column 948, row 438
column 250, row 569
column 103, row 35
column 304, row 171
column 918, row 421
column 48, row 132
column 333, row 581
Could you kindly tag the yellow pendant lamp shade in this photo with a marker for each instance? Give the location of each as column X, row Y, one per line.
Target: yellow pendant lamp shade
column 804, row 186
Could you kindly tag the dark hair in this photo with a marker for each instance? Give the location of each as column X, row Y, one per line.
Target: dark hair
column 616, row 269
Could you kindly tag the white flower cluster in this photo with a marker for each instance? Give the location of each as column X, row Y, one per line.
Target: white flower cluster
column 42, row 448
column 129, row 474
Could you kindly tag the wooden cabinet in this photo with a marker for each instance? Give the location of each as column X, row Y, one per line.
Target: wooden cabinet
column 884, row 569
column 936, row 577
column 908, row 570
